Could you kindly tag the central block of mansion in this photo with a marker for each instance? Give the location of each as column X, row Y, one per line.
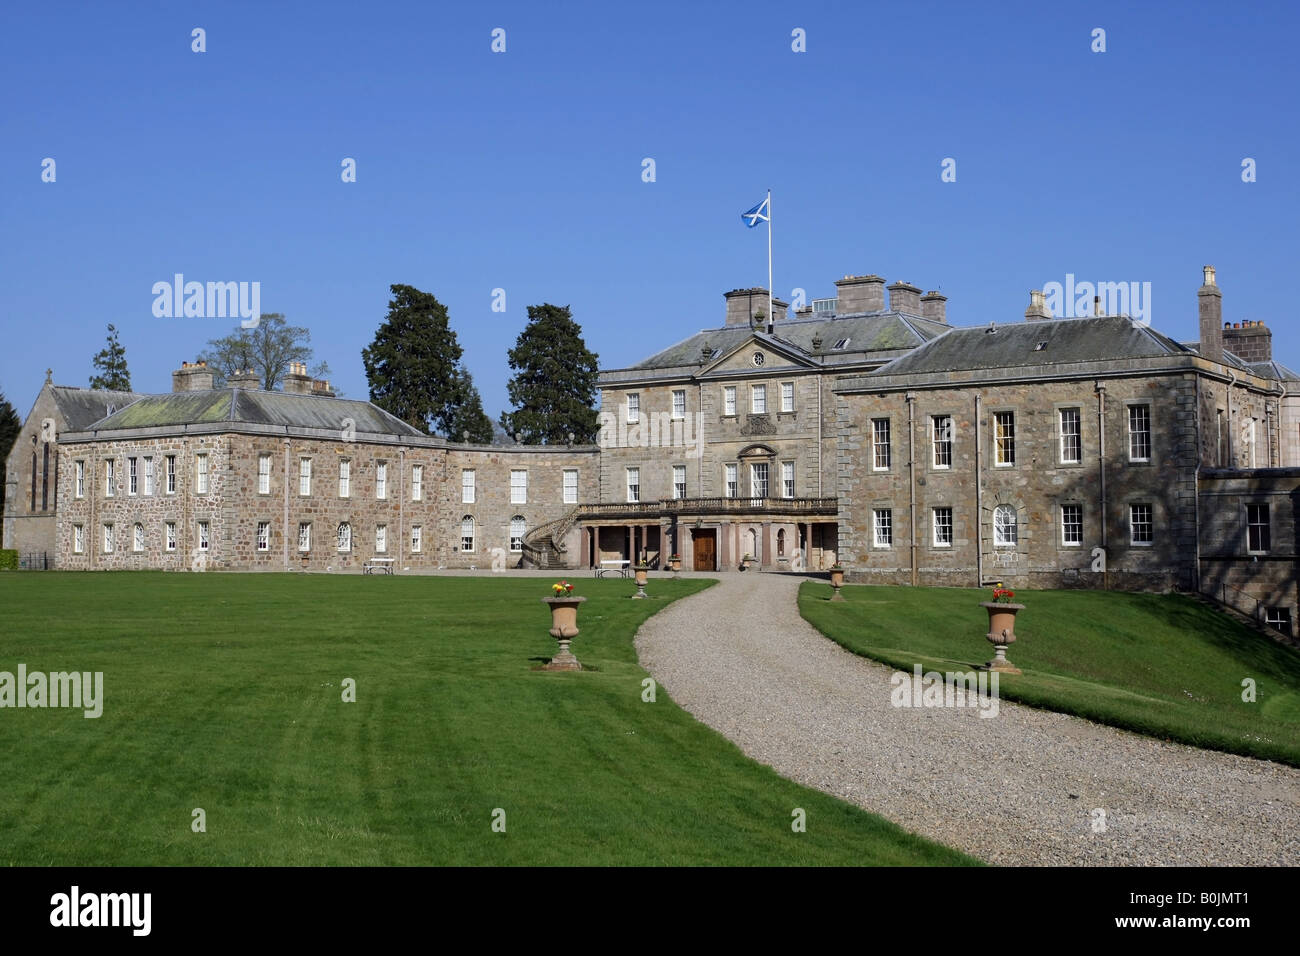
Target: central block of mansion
column 1088, row 452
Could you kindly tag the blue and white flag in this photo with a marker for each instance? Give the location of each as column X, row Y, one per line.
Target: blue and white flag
column 756, row 215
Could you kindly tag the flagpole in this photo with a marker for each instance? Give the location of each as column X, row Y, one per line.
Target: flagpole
column 770, row 318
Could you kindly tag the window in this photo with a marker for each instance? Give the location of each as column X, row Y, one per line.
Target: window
column 880, row 443
column 1141, row 530
column 381, row 539
column 518, row 486
column 780, row 543
column 570, row 486
column 201, row 474
column 679, row 403
column 1071, row 442
column 467, row 486
column 787, row 396
column 263, row 474
column 304, row 536
column 381, row 479
column 417, row 535
column 137, row 537
column 467, row 533
column 345, row 536
column 80, row 469
column 634, row 484
column 758, row 399
column 941, row 440
column 304, row 476
column 942, row 527
column 1278, row 617
column 1004, row 526
column 345, row 478
column 148, row 475
column 204, row 542
column 840, row 344
column 1139, row 433
column 787, row 479
column 883, row 527
column 758, row 479
column 132, row 479
column 679, row 481
column 170, row 535
column 110, row 477
column 1004, row 438
column 264, row 536
column 733, row 482
column 171, row 474
column 517, row 526
column 108, row 539
column 634, row 406
column 417, row 482
column 1258, row 537
column 729, row 400
column 1072, row 524
column 78, row 539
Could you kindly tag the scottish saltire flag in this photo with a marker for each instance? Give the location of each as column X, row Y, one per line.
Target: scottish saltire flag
column 756, row 215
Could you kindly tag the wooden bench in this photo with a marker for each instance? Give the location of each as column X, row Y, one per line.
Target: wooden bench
column 382, row 565
column 619, row 566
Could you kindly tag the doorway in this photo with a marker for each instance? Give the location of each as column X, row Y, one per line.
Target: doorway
column 705, row 544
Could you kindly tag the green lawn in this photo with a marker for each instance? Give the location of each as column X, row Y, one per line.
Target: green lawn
column 223, row 692
column 1163, row 665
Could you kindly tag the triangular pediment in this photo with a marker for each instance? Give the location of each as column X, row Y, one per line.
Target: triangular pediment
column 758, row 353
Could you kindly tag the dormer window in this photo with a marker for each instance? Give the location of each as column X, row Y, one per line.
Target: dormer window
column 840, row 344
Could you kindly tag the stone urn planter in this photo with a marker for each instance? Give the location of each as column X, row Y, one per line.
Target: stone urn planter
column 837, row 582
column 675, row 563
column 1002, row 631
column 642, row 576
column 564, row 628
column 745, row 562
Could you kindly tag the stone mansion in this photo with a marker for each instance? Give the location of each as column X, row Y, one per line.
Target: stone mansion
column 1082, row 452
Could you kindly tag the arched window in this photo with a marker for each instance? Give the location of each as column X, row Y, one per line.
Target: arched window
column 345, row 536
column 517, row 526
column 467, row 533
column 780, row 543
column 1004, row 526
column 752, row 551
column 137, row 541
column 45, row 480
column 33, row 481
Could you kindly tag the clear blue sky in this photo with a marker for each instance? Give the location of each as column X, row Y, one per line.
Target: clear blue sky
column 523, row 170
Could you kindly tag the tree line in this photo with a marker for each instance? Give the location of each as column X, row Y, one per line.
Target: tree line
column 414, row 371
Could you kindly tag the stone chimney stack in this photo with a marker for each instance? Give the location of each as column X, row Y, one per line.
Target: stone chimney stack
column 321, row 388
column 192, row 377
column 1249, row 341
column 859, row 294
column 1038, row 309
column 905, row 297
column 297, row 382
column 1210, row 302
column 247, row 379
column 744, row 304
column 933, row 307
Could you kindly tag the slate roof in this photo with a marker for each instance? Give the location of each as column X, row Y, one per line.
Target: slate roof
column 243, row 406
column 869, row 332
column 1063, row 341
column 81, row 406
column 1274, row 370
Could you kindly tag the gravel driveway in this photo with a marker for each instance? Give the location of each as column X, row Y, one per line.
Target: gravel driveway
column 1020, row 788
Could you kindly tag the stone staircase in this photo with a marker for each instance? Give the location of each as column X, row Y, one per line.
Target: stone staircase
column 544, row 545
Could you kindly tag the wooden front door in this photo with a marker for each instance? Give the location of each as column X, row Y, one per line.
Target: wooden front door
column 706, row 550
